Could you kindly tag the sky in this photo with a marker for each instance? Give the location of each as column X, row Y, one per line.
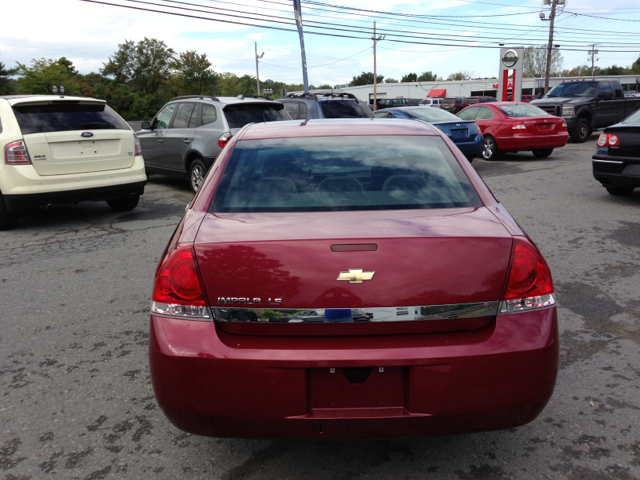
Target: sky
column 88, row 33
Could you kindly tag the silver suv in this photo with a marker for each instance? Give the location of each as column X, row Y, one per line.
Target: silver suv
column 188, row 133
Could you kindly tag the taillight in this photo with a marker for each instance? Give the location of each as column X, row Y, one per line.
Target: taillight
column 608, row 139
column 138, row 147
column 177, row 290
column 16, row 154
column 530, row 285
column 223, row 139
column 563, row 127
column 518, row 126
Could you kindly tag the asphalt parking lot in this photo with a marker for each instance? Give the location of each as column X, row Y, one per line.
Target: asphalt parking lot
column 76, row 397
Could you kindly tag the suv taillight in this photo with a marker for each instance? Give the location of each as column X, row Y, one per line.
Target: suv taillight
column 16, row 153
column 138, row 147
column 223, row 139
column 177, row 290
column 530, row 285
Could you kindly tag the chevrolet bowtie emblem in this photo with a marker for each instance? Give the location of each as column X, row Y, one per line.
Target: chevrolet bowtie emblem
column 355, row 276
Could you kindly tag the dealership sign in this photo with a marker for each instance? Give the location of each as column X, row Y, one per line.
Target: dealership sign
column 510, row 58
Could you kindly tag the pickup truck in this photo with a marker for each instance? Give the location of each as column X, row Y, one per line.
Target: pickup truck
column 588, row 105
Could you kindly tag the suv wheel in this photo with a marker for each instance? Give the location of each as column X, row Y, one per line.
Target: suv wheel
column 197, row 172
column 580, row 131
column 8, row 219
column 124, row 204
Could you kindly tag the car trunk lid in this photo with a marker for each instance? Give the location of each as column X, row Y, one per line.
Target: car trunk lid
column 355, row 260
column 543, row 125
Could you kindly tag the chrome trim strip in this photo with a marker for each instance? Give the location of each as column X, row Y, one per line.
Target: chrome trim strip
column 606, row 161
column 375, row 314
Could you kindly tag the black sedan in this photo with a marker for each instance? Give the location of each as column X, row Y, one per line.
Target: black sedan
column 464, row 133
column 616, row 160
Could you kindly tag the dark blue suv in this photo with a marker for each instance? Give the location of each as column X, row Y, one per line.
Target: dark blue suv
column 325, row 105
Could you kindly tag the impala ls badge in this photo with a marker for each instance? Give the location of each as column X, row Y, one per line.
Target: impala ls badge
column 355, row 276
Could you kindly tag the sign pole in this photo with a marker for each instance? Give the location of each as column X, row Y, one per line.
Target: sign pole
column 298, row 13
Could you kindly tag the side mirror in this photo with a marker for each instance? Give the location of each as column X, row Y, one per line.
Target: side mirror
column 146, row 125
column 608, row 95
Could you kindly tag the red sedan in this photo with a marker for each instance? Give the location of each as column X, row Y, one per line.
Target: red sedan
column 516, row 126
column 345, row 279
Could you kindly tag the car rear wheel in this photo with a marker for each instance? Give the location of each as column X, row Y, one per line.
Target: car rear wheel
column 490, row 151
column 580, row 131
column 542, row 152
column 8, row 219
column 124, row 204
column 620, row 191
column 197, row 173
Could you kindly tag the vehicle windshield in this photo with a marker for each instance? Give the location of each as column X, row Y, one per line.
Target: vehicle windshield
column 64, row 116
column 522, row 110
column 241, row 114
column 343, row 174
column 634, row 118
column 573, row 89
column 344, row 109
column 431, row 115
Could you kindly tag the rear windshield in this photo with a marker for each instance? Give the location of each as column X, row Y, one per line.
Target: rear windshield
column 343, row 174
column 472, row 100
column 64, row 116
column 344, row 109
column 431, row 115
column 633, row 118
column 244, row 113
column 522, row 110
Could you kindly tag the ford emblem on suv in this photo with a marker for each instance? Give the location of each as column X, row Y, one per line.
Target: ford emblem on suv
column 86, row 134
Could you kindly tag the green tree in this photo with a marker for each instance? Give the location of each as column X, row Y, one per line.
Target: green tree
column 7, row 84
column 428, row 77
column 145, row 65
column 409, row 77
column 635, row 67
column 579, row 71
column 42, row 76
column 192, row 74
column 68, row 65
column 461, row 75
column 365, row 78
column 324, row 86
column 612, row 70
column 534, row 62
column 391, row 80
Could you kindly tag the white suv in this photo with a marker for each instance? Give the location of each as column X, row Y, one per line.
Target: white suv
column 59, row 149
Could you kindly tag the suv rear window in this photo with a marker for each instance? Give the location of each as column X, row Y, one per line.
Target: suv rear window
column 344, row 174
column 344, row 109
column 244, row 113
column 64, row 116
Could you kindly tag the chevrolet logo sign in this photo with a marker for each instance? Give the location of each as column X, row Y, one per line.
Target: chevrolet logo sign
column 355, row 276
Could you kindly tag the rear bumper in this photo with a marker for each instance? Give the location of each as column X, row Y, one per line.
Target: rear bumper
column 211, row 383
column 474, row 147
column 525, row 141
column 616, row 171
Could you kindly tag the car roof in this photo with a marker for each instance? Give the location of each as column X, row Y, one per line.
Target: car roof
column 223, row 100
column 342, row 127
column 15, row 99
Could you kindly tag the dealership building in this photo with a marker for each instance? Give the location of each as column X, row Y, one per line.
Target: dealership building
column 466, row 88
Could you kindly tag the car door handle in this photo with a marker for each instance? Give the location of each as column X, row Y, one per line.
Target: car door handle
column 186, row 140
column 160, row 140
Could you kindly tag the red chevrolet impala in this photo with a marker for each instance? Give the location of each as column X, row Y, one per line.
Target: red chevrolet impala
column 516, row 126
column 344, row 279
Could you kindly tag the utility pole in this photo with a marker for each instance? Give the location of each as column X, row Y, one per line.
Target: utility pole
column 375, row 71
column 592, row 53
column 552, row 17
column 257, row 73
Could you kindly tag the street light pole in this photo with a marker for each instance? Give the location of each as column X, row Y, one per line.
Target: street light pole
column 552, row 17
column 257, row 73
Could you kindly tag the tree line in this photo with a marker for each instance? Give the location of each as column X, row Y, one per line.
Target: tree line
column 137, row 80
